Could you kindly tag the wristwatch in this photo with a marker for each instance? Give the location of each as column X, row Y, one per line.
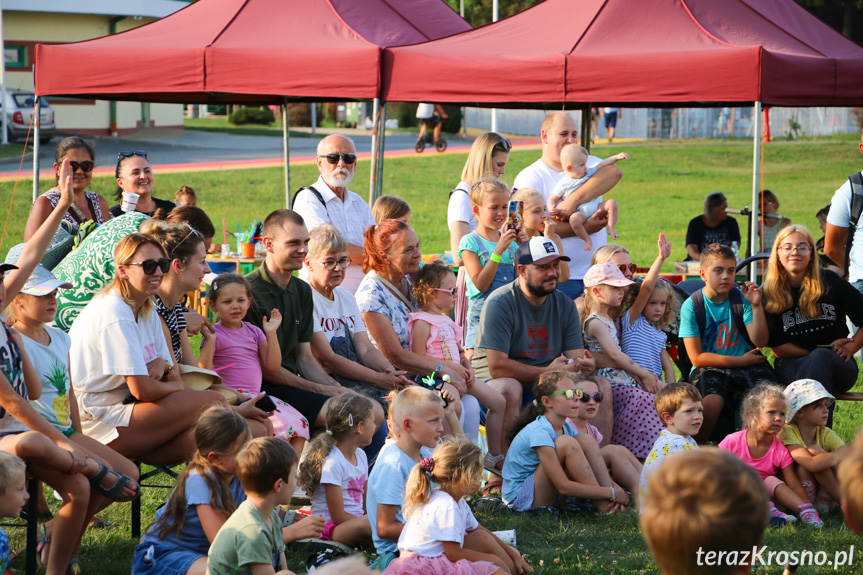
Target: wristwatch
column 438, row 368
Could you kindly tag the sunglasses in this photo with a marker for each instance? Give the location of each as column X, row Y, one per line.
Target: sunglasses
column 568, row 393
column 450, row 291
column 624, row 267
column 149, row 266
column 505, row 143
column 334, row 158
column 130, row 153
column 585, row 397
column 86, row 166
column 343, row 263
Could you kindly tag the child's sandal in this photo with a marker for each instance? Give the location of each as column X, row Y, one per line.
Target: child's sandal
column 44, row 545
column 113, row 492
column 74, row 568
column 490, row 463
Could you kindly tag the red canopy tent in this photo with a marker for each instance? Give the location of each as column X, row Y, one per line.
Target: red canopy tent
column 248, row 51
column 665, row 52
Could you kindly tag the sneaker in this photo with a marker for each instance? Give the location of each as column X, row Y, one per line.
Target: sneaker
column 776, row 522
column 490, row 505
column 774, row 512
column 810, row 517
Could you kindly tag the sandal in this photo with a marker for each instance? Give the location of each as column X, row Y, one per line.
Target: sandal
column 43, row 546
column 113, row 492
column 74, row 568
column 490, row 462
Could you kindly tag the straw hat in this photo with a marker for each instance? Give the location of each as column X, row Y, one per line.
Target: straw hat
column 198, row 378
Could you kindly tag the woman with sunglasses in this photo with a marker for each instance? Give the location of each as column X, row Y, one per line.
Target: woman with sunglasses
column 135, row 175
column 86, row 205
column 91, row 267
column 806, row 309
column 340, row 341
column 125, row 379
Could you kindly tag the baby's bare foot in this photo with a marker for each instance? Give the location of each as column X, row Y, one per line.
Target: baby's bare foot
column 588, row 245
column 613, row 233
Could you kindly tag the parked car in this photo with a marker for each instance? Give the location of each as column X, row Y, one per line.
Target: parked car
column 18, row 113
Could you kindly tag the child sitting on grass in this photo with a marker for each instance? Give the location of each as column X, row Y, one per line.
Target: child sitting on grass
column 335, row 469
column 703, row 502
column 758, row 444
column 679, row 408
column 250, row 541
column 815, row 448
column 13, row 497
column 573, row 158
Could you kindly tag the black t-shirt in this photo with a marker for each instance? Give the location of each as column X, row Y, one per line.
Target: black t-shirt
column 840, row 299
column 702, row 236
column 164, row 204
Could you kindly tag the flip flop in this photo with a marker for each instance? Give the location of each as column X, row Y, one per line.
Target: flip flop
column 113, row 492
column 43, row 545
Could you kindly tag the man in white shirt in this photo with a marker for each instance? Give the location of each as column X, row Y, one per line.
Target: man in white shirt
column 557, row 130
column 838, row 228
column 337, row 162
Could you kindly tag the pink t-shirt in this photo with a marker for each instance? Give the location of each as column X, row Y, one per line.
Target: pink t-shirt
column 444, row 335
column 240, row 348
column 776, row 458
column 591, row 430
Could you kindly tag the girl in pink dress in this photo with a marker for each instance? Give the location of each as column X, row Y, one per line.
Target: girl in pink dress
column 758, row 444
column 237, row 349
column 433, row 333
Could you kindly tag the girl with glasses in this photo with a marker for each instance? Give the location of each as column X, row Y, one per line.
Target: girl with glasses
column 549, row 460
column 434, row 334
column 86, row 205
column 806, row 309
column 622, row 464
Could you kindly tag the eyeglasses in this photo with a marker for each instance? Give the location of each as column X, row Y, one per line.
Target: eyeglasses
column 343, row 263
column 86, row 166
column 149, row 266
column 568, row 393
column 130, row 153
column 585, row 397
column 802, row 249
column 450, row 291
column 334, row 158
column 624, row 267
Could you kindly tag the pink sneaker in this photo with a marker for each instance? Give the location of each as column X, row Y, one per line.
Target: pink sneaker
column 774, row 512
column 810, row 517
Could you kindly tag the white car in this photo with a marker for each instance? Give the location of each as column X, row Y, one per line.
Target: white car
column 18, row 113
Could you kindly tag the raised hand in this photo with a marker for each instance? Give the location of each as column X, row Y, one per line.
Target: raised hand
column 272, row 323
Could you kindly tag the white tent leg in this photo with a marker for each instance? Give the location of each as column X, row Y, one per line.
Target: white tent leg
column 756, row 185
column 37, row 112
column 287, row 147
column 373, row 172
column 379, row 183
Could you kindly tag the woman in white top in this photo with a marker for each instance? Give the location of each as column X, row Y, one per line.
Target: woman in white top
column 127, row 386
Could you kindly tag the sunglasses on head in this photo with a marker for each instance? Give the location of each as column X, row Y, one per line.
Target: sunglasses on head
column 624, row 267
column 334, row 158
column 149, row 266
column 505, row 143
column 130, row 153
column 450, row 291
column 86, row 166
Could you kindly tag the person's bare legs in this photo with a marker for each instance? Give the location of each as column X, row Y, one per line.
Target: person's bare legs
column 576, row 222
column 604, row 419
column 624, row 466
column 495, row 402
column 423, row 128
column 437, row 129
column 356, row 531
column 786, row 497
column 713, row 405
column 199, row 567
column 159, row 432
column 512, row 393
column 575, row 464
column 611, row 208
column 826, row 479
column 482, row 541
column 598, row 184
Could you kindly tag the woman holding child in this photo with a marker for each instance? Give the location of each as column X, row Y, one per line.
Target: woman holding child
column 806, row 309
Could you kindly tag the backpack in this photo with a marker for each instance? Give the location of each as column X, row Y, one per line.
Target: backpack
column 856, row 180
column 735, row 298
column 315, row 192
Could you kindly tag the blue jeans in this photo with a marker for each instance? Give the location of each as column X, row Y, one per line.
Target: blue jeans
column 572, row 288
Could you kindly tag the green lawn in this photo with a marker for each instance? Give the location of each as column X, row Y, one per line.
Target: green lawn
column 663, row 187
column 221, row 124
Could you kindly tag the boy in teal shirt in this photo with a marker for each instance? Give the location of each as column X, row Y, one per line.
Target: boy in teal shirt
column 726, row 363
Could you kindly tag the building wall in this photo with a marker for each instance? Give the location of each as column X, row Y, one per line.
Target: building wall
column 23, row 30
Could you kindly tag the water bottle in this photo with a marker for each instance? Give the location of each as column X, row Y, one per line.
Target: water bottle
column 736, row 250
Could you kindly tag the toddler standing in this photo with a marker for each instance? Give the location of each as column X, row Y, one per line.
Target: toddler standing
column 758, row 445
column 573, row 158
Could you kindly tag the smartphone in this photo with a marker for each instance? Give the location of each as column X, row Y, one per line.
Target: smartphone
column 515, row 220
column 266, row 404
column 825, row 345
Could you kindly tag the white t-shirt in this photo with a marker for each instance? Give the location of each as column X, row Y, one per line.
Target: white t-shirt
column 332, row 317
column 840, row 216
column 351, row 217
column 336, row 470
column 425, row 111
column 52, row 363
column 459, row 209
column 107, row 345
column 441, row 519
column 542, row 177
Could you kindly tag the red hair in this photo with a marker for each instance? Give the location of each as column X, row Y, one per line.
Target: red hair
column 379, row 239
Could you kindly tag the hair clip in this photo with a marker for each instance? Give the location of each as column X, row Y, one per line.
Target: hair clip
column 329, row 432
column 536, row 402
column 427, row 464
column 214, row 285
column 350, row 420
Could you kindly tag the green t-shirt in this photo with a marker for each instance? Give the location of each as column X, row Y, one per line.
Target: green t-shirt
column 471, row 243
column 245, row 538
column 825, row 438
column 295, row 304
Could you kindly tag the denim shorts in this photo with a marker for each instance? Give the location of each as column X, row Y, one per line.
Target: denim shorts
column 152, row 559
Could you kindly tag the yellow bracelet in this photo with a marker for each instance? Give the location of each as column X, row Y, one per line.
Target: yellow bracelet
column 495, row 257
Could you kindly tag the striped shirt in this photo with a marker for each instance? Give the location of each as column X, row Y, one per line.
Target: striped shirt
column 643, row 343
column 176, row 323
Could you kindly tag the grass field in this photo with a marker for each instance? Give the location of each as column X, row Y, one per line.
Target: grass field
column 663, row 187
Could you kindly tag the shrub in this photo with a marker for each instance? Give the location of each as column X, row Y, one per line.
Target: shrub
column 242, row 116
